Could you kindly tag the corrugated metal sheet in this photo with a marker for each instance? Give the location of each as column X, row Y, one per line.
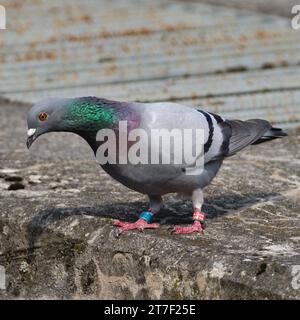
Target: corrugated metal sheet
column 237, row 63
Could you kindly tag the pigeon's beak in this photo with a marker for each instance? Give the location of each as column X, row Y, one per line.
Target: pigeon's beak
column 31, row 137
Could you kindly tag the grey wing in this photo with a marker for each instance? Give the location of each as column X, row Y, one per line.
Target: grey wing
column 222, row 137
column 244, row 133
column 175, row 116
column 237, row 134
column 172, row 116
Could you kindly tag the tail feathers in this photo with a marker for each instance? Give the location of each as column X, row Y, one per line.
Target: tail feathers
column 244, row 133
column 273, row 133
column 254, row 131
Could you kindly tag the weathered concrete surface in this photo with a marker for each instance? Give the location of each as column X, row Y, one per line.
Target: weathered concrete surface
column 57, row 241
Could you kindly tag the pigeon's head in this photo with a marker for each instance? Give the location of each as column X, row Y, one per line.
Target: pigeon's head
column 45, row 116
column 84, row 116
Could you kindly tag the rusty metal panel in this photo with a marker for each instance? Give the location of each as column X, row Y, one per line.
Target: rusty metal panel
column 234, row 62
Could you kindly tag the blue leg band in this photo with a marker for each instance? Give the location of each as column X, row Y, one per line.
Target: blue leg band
column 147, row 216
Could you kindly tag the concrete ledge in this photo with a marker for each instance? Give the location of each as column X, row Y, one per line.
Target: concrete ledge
column 56, row 238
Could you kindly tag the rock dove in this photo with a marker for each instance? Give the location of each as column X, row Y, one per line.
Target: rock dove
column 85, row 116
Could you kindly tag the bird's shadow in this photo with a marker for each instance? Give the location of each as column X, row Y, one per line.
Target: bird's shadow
column 174, row 212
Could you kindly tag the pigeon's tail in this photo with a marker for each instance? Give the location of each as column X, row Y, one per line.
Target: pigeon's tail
column 254, row 131
column 273, row 133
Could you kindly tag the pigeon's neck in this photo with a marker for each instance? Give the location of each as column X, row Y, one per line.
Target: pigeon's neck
column 85, row 113
column 86, row 116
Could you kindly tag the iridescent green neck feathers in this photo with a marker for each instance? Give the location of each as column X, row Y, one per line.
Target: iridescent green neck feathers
column 91, row 114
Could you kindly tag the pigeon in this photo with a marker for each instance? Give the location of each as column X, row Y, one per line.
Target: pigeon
column 222, row 138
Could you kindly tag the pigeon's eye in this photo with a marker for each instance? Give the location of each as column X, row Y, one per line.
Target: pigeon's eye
column 43, row 116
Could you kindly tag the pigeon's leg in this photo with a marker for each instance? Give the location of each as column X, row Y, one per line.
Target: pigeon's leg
column 198, row 226
column 144, row 222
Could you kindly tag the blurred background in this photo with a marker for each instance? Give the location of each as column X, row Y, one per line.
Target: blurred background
column 237, row 58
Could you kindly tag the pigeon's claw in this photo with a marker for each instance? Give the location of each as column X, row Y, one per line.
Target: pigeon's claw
column 196, row 227
column 140, row 224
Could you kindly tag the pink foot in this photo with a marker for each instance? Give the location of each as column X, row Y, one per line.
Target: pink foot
column 196, row 227
column 140, row 224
